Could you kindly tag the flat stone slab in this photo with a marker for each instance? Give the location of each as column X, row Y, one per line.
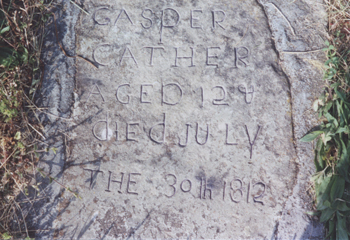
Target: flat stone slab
column 177, row 119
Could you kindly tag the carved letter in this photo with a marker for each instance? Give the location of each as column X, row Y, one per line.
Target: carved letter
column 126, row 84
column 127, row 17
column 106, row 19
column 129, row 182
column 163, row 135
column 189, row 185
column 202, row 95
column 172, row 185
column 107, row 129
column 98, row 92
column 109, row 181
column 184, row 145
column 218, row 21
column 218, row 101
column 131, row 56
column 234, row 190
column 205, row 190
column 243, row 89
column 212, row 56
column 250, row 142
column 193, row 18
column 240, row 57
column 191, row 57
column 116, row 131
column 94, row 54
column 152, row 51
column 261, row 195
column 120, row 182
column 149, row 19
column 206, row 139
column 127, row 132
column 228, row 143
column 94, row 173
column 143, row 93
column 163, row 24
column 171, row 84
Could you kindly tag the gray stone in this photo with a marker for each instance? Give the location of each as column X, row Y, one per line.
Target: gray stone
column 181, row 119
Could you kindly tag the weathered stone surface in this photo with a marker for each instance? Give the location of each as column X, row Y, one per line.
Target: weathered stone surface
column 183, row 119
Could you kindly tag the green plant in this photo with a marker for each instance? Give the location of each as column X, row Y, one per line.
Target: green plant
column 332, row 152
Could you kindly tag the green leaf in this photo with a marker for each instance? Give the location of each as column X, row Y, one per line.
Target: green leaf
column 24, row 55
column 343, row 130
column 54, row 150
column 343, row 163
column 319, row 163
column 332, row 119
column 20, row 145
column 326, row 214
column 342, row 233
column 343, row 207
column 337, row 188
column 328, row 106
column 5, row 29
column 311, row 136
column 310, row 213
column 331, row 228
column 6, row 236
column 326, row 138
column 342, row 96
column 322, row 191
column 8, row 57
column 18, row 135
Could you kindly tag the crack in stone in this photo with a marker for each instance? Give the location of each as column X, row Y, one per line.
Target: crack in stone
column 274, row 46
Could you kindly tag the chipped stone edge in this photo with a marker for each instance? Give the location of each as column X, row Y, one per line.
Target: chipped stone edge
column 303, row 226
column 57, row 96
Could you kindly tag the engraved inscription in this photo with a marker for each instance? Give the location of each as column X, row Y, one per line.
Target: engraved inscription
column 248, row 92
column 126, row 183
column 237, row 189
column 177, row 57
column 170, row 18
column 194, row 19
column 184, row 56
column 179, row 112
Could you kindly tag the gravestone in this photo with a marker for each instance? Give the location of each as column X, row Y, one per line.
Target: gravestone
column 181, row 119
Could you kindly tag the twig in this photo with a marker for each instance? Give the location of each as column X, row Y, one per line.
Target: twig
column 8, row 158
column 79, row 7
column 36, row 131
column 24, row 220
column 302, row 52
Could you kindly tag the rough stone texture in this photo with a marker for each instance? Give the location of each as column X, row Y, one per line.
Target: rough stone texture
column 299, row 33
column 283, row 39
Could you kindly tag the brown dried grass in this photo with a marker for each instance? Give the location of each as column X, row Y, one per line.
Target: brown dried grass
column 21, row 28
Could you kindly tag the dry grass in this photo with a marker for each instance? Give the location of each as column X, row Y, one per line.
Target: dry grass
column 21, row 36
column 339, row 25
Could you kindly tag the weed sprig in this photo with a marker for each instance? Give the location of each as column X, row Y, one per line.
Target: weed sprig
column 332, row 153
